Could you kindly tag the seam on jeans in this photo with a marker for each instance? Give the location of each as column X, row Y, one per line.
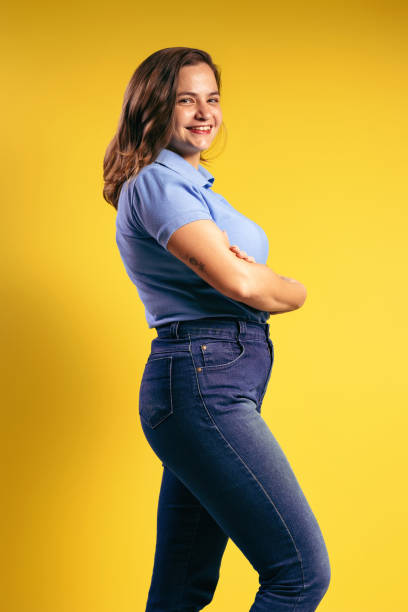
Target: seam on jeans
column 193, row 540
column 259, row 405
column 299, row 556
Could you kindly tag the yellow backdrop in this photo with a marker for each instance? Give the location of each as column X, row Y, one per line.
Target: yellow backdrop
column 315, row 102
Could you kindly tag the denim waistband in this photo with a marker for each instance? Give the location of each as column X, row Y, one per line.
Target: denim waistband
column 217, row 326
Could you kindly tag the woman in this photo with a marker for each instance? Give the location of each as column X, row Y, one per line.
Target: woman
column 224, row 473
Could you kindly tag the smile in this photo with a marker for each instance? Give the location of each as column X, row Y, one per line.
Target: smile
column 200, row 130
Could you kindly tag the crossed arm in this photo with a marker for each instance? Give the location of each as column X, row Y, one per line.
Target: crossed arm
column 205, row 248
column 243, row 255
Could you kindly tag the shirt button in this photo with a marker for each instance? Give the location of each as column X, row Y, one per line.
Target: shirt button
column 203, row 346
column 199, row 369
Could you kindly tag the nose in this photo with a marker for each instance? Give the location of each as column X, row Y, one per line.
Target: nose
column 203, row 111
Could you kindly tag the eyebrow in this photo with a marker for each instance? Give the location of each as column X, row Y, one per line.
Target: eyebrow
column 192, row 93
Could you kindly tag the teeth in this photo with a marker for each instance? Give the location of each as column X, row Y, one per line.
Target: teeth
column 202, row 129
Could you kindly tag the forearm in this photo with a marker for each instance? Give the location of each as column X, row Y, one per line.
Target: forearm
column 265, row 290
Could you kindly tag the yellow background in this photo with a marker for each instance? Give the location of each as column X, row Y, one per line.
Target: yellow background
column 315, row 102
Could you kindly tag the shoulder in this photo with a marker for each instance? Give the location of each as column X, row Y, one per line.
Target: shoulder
column 154, row 171
column 157, row 178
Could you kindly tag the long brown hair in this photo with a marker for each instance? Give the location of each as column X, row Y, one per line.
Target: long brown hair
column 146, row 121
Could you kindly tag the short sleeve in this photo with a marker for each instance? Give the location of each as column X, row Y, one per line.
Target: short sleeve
column 164, row 201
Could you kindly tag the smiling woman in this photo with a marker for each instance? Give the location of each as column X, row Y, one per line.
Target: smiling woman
column 197, row 115
column 172, row 90
column 200, row 398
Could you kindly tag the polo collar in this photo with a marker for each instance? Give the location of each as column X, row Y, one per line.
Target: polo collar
column 200, row 176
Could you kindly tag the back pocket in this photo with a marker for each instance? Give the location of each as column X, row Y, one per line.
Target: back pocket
column 155, row 398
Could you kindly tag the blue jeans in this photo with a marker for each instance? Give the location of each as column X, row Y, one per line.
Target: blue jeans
column 224, row 473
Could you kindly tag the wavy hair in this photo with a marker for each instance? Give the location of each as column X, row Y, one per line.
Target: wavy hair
column 147, row 117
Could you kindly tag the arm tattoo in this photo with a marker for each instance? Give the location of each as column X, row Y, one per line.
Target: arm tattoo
column 194, row 262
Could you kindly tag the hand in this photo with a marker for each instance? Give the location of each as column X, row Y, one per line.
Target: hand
column 235, row 249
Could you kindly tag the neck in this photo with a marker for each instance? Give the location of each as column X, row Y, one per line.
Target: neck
column 191, row 158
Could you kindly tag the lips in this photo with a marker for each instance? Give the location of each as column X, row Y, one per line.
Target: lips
column 200, row 130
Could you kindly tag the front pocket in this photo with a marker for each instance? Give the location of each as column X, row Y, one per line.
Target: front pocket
column 155, row 396
column 221, row 353
column 269, row 370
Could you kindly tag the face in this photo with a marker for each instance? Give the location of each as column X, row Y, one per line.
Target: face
column 197, row 104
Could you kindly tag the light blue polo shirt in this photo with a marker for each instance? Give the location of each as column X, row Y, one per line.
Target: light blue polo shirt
column 165, row 195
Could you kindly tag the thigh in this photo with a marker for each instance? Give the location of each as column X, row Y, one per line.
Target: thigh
column 213, row 437
column 189, row 541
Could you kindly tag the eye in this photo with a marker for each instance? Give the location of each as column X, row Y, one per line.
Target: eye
column 186, row 99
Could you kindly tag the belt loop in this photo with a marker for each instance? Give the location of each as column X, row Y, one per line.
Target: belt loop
column 174, row 329
column 242, row 327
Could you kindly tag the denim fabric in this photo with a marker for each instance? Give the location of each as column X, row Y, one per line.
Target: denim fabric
column 224, row 473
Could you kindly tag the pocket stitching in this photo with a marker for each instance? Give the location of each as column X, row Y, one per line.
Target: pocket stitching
column 145, row 419
column 271, row 356
column 229, row 363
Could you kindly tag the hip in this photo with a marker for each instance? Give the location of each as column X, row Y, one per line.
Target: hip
column 214, row 362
